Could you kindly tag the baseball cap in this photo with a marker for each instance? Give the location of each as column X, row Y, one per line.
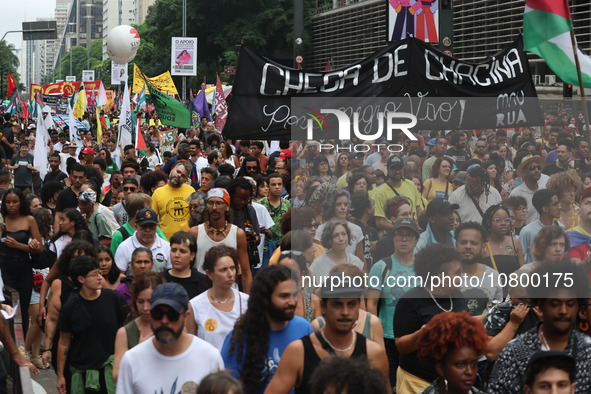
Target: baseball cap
column 220, row 193
column 432, row 142
column 356, row 155
column 395, row 160
column 171, row 294
column 460, row 177
column 406, row 223
column 88, row 151
column 146, row 216
column 438, row 205
column 340, row 285
column 586, row 193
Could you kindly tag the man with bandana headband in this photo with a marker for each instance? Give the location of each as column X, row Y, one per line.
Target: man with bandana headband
column 172, row 360
column 97, row 222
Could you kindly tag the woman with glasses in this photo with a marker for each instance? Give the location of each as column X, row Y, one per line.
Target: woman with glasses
column 438, row 185
column 502, row 252
column 322, row 169
column 519, row 207
column 567, row 185
column 551, row 243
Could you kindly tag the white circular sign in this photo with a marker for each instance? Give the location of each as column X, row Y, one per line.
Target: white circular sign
column 299, row 59
column 122, row 44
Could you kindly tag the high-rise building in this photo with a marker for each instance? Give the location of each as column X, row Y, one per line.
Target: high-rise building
column 143, row 6
column 115, row 13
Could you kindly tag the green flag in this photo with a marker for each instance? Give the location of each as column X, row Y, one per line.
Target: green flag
column 170, row 111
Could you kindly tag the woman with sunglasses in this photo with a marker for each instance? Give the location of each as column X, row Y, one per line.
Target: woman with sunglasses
column 502, row 252
column 139, row 329
column 212, row 314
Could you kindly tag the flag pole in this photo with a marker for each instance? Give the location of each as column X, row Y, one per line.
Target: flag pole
column 583, row 102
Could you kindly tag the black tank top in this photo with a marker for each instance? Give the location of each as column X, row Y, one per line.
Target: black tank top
column 311, row 359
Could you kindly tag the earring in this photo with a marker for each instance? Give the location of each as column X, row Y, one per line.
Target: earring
column 445, row 382
column 584, row 325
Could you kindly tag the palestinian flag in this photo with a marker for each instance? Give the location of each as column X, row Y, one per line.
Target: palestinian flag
column 546, row 32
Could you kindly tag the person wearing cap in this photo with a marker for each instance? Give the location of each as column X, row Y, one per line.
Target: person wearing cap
column 269, row 323
column 129, row 186
column 476, row 196
column 580, row 236
column 218, row 229
column 97, row 222
column 146, row 223
column 355, row 163
column 172, row 360
column 440, row 223
column 340, row 307
column 395, row 186
column 470, row 240
column 550, row 371
column 459, row 180
column 22, row 165
column 530, row 170
column 459, row 150
column 170, row 201
column 559, row 306
column 88, row 154
column 88, row 325
column 398, row 265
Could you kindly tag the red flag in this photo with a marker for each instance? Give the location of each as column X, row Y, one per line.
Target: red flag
column 25, row 110
column 221, row 107
column 328, row 66
column 11, row 84
column 140, row 143
column 39, row 100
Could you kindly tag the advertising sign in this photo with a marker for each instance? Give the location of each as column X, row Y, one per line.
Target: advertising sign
column 183, row 57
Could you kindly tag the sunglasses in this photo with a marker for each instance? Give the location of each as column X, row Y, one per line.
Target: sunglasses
column 251, row 167
column 533, row 168
column 129, row 189
column 171, row 314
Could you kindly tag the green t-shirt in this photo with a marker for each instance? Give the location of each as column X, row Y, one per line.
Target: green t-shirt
column 276, row 215
column 390, row 294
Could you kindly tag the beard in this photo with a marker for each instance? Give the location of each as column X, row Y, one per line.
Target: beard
column 281, row 314
column 473, row 260
column 167, row 339
column 175, row 183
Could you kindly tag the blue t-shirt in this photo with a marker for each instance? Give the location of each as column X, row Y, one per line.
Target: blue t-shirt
column 296, row 328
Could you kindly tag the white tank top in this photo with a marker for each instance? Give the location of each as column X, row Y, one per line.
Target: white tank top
column 214, row 325
column 204, row 243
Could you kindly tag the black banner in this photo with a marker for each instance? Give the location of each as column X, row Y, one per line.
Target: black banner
column 261, row 104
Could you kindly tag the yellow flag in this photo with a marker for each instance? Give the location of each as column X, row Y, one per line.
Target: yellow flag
column 80, row 104
column 162, row 82
column 99, row 127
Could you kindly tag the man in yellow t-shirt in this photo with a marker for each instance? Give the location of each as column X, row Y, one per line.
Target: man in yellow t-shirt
column 395, row 186
column 170, row 201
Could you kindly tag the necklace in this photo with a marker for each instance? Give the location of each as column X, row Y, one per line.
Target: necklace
column 451, row 301
column 221, row 302
column 215, row 231
column 340, row 350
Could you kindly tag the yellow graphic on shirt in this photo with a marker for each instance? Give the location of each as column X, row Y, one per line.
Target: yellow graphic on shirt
column 211, row 325
column 178, row 209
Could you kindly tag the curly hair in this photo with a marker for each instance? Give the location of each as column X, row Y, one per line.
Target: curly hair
column 44, row 222
column 565, row 181
column 440, row 336
column 326, row 236
column 328, row 206
column 355, row 177
column 395, row 204
column 437, row 166
column 301, row 217
column 360, row 203
column 544, row 239
column 145, row 280
column 250, row 338
column 217, row 252
column 490, row 212
column 79, row 247
column 49, row 189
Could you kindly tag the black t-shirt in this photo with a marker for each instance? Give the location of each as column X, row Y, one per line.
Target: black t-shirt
column 370, row 235
column 415, row 309
column 459, row 156
column 55, row 176
column 66, row 199
column 195, row 284
column 93, row 325
column 7, row 132
column 384, row 248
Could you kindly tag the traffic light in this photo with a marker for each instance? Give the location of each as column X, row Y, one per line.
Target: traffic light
column 567, row 90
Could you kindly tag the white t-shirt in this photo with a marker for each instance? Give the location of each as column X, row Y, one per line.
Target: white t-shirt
column 144, row 370
column 264, row 219
column 160, row 254
column 214, row 325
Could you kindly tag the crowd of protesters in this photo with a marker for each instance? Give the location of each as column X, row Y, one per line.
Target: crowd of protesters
column 194, row 264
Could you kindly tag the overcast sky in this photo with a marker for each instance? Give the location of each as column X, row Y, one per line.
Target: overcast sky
column 14, row 13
